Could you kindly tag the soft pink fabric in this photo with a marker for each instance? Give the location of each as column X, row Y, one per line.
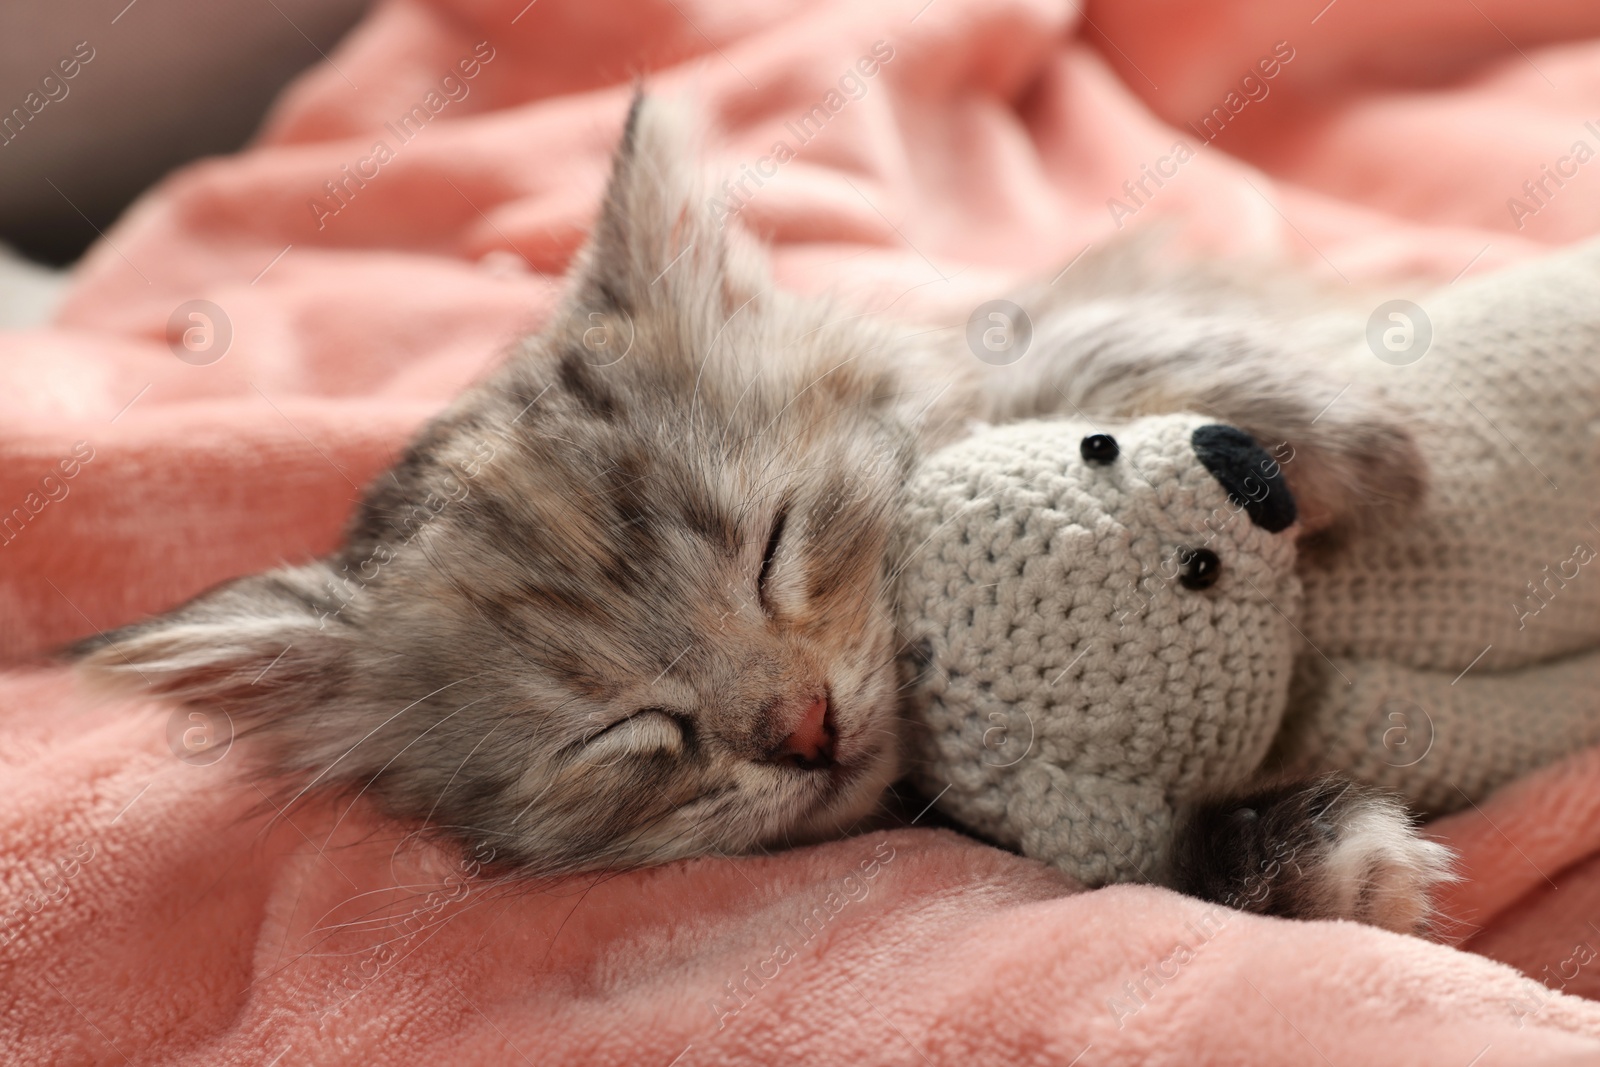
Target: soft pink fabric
column 152, row 910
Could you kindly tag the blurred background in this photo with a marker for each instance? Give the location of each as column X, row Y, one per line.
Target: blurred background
column 188, row 78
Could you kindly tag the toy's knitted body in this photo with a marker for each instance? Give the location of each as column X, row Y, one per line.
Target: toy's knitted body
column 1492, row 578
column 1084, row 689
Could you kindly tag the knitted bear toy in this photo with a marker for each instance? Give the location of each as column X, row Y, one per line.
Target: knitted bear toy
column 1121, row 621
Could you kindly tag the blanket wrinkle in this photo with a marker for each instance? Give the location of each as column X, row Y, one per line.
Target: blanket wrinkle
column 404, row 214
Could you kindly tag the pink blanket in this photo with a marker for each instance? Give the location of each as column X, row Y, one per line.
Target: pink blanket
column 404, row 214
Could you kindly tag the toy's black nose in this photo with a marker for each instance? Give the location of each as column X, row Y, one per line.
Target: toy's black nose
column 1252, row 478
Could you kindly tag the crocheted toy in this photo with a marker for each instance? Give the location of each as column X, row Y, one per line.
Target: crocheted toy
column 1122, row 623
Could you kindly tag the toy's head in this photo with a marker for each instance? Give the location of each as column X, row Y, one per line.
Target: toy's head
column 1108, row 613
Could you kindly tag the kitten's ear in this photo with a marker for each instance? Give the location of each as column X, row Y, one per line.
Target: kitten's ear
column 266, row 644
column 659, row 239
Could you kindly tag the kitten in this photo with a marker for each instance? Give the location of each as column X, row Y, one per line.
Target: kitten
column 630, row 598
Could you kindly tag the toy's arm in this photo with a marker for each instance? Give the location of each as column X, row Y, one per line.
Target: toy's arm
column 1441, row 739
column 1098, row 830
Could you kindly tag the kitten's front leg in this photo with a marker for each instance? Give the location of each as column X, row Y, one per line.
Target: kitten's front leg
column 1327, row 848
column 1351, row 465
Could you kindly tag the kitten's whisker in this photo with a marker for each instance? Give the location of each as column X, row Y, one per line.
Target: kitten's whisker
column 722, row 446
column 369, row 733
column 381, row 914
column 373, row 777
column 906, row 562
column 787, row 475
column 806, row 389
column 428, row 818
column 694, row 398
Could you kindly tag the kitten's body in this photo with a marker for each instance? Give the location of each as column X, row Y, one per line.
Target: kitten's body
column 630, row 599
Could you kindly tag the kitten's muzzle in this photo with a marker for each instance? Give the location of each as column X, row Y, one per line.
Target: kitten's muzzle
column 813, row 742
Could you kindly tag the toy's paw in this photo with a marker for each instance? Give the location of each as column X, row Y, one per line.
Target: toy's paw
column 1328, row 848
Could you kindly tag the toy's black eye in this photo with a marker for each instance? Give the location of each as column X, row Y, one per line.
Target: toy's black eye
column 1099, row 448
column 1201, row 568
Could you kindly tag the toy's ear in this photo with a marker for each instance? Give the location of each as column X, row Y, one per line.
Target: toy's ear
column 267, row 644
column 1352, row 466
column 1253, row 478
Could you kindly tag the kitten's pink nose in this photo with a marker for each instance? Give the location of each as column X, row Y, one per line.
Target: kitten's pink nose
column 813, row 742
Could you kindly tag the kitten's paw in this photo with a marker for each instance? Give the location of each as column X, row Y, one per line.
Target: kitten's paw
column 1329, row 848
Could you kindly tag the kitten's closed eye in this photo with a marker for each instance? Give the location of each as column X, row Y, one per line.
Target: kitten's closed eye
column 769, row 557
column 648, row 732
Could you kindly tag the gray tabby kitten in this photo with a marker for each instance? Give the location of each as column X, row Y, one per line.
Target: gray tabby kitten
column 630, row 599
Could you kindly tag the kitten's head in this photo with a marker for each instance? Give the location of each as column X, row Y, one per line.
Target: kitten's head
column 623, row 602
